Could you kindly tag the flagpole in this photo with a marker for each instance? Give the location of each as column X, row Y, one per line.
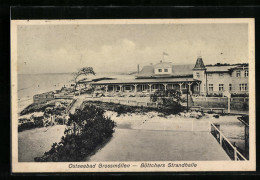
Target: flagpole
column 162, row 56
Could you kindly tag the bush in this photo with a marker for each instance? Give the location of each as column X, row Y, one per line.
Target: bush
column 35, row 108
column 36, row 123
column 245, row 107
column 168, row 101
column 170, row 107
column 121, row 109
column 59, row 120
column 25, row 126
column 90, row 129
column 239, row 95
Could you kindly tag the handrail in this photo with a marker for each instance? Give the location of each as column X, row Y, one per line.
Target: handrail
column 235, row 149
column 69, row 107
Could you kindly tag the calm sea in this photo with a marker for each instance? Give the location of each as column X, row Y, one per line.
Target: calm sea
column 31, row 84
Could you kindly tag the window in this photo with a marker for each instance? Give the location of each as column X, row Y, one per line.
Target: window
column 230, row 87
column 243, row 87
column 210, row 87
column 160, row 70
column 127, row 88
column 238, row 73
column 165, row 70
column 198, row 75
column 198, row 88
column 221, row 87
column 246, row 73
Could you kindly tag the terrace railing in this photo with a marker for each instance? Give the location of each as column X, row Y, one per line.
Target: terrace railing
column 230, row 149
column 124, row 102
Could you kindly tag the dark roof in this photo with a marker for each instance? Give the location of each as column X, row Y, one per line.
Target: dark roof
column 139, row 81
column 182, row 70
column 146, row 71
column 177, row 70
column 199, row 64
column 220, row 68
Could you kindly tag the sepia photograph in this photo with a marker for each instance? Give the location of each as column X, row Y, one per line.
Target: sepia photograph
column 133, row 95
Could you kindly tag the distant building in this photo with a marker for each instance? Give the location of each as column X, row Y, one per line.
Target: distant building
column 197, row 79
column 43, row 98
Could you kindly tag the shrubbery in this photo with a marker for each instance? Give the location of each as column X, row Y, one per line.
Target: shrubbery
column 168, row 100
column 36, row 108
column 88, row 129
column 54, row 107
column 239, row 95
column 170, row 107
column 245, row 107
column 35, row 123
column 123, row 109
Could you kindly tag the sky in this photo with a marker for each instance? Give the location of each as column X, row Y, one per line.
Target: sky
column 121, row 47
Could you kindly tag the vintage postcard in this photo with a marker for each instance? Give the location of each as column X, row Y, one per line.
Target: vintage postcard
column 146, row 95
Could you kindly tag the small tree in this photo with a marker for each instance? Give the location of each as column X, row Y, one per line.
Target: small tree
column 169, row 100
column 85, row 71
column 161, row 95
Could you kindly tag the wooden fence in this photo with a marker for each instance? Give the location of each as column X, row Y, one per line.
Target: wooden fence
column 69, row 107
column 124, row 102
column 220, row 99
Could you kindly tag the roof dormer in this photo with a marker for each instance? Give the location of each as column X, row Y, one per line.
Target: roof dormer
column 163, row 68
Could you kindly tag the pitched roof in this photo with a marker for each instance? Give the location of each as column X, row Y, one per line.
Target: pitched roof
column 140, row 81
column 199, row 64
column 177, row 70
column 220, row 68
column 146, row 71
column 182, row 70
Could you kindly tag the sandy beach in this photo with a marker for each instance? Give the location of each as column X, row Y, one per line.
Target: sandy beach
column 33, row 143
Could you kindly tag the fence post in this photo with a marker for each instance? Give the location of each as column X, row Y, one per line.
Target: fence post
column 229, row 99
column 235, row 153
column 220, row 139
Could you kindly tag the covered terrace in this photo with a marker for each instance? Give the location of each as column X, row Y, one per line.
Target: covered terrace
column 148, row 85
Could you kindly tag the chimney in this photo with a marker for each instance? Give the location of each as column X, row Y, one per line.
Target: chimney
column 138, row 69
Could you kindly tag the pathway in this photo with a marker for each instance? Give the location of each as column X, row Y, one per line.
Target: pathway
column 78, row 102
column 160, row 140
column 149, row 145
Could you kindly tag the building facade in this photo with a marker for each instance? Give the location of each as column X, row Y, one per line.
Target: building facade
column 196, row 79
column 217, row 79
